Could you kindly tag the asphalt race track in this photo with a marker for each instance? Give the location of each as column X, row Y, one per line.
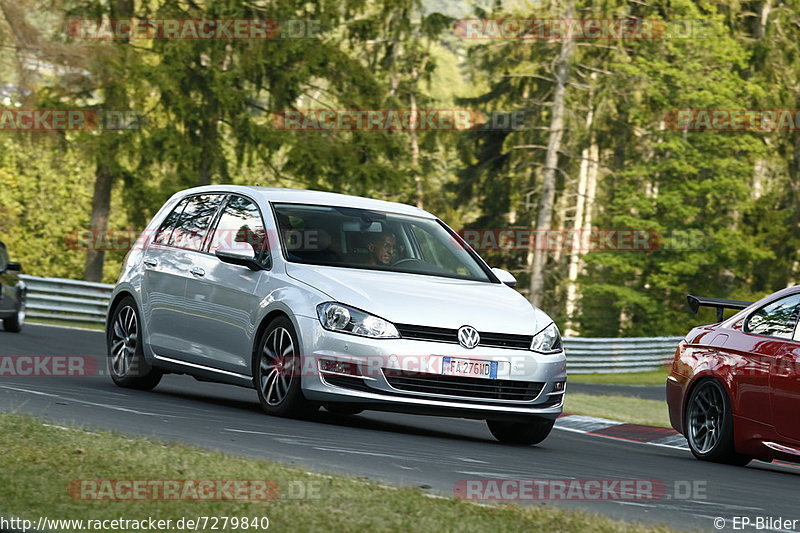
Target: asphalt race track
column 645, row 392
column 431, row 453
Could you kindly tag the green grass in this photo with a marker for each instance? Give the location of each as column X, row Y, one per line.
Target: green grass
column 94, row 326
column 38, row 462
column 622, row 408
column 650, row 377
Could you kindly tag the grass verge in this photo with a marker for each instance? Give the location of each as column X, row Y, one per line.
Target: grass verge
column 38, row 463
column 94, row 326
column 651, row 377
column 622, row 408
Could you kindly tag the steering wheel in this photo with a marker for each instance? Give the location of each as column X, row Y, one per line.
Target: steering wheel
column 405, row 260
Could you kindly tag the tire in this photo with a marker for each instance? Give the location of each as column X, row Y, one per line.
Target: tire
column 126, row 362
column 709, row 425
column 276, row 372
column 13, row 324
column 342, row 409
column 522, row 433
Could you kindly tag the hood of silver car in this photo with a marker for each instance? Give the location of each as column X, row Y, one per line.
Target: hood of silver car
column 426, row 300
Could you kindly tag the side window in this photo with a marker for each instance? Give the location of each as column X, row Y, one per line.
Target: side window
column 240, row 222
column 777, row 319
column 164, row 233
column 191, row 229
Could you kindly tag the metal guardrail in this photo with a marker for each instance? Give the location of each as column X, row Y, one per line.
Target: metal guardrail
column 83, row 301
column 67, row 299
column 616, row 355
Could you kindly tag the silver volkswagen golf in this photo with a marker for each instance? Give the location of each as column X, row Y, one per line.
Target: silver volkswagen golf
column 321, row 299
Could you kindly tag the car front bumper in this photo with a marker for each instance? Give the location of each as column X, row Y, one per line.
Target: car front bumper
column 405, row 376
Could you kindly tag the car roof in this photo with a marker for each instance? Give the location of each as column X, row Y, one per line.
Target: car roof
column 304, row 196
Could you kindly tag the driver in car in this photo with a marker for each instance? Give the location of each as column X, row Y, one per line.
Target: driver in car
column 382, row 249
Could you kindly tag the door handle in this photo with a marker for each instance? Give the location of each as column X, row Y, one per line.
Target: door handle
column 150, row 262
column 197, row 271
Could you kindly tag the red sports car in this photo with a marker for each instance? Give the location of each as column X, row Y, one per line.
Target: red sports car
column 734, row 388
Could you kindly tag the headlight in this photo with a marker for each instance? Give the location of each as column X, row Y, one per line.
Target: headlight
column 548, row 340
column 346, row 319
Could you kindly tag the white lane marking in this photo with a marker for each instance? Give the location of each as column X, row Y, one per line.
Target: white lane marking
column 94, row 404
column 58, row 427
column 468, row 460
column 726, row 505
column 356, row 452
column 496, row 475
column 637, row 504
column 588, row 424
column 675, row 441
column 585, row 423
column 583, row 432
column 258, row 432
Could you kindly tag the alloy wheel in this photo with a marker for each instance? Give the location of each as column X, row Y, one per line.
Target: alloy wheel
column 706, row 416
column 124, row 335
column 277, row 366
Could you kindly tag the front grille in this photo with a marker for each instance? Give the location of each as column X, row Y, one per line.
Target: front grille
column 427, row 333
column 486, row 389
column 505, row 340
column 493, row 340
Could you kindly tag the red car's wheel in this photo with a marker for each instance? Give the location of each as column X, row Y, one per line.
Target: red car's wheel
column 709, row 424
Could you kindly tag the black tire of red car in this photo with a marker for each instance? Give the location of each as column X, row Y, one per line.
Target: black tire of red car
column 127, row 364
column 709, row 424
column 522, row 433
column 277, row 372
column 14, row 323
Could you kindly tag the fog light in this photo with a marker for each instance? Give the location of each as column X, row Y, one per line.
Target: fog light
column 338, row 367
column 559, row 386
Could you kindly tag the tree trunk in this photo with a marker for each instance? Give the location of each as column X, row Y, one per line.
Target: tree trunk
column 415, row 149
column 544, row 217
column 763, row 18
column 98, row 223
column 575, row 251
column 106, row 158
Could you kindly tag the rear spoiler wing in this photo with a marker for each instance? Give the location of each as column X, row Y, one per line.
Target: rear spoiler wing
column 720, row 304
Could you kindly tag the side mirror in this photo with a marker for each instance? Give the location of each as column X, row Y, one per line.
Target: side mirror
column 239, row 253
column 505, row 277
column 13, row 266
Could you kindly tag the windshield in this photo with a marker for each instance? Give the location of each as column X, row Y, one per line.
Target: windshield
column 359, row 238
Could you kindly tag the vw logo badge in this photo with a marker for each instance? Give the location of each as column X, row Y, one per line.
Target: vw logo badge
column 468, row 337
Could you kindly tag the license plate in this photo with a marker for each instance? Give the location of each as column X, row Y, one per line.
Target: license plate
column 453, row 366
